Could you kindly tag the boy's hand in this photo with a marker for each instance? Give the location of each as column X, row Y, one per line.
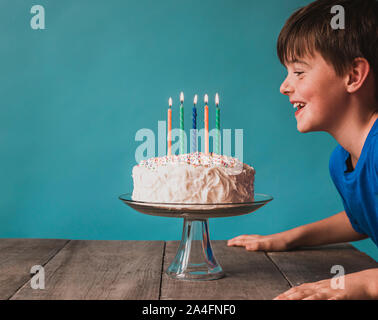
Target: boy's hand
column 254, row 242
column 358, row 285
column 334, row 229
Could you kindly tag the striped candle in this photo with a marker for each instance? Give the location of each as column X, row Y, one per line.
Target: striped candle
column 217, row 125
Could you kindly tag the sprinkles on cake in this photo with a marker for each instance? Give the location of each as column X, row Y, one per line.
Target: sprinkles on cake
column 195, row 159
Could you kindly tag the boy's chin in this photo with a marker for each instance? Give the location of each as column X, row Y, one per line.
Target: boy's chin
column 302, row 128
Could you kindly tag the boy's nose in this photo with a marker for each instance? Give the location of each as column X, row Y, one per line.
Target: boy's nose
column 286, row 88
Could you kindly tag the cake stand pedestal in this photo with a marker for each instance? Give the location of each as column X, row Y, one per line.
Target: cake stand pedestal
column 195, row 259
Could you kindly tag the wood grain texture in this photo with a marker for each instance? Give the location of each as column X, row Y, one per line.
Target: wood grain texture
column 98, row 269
column 249, row 275
column 18, row 256
column 314, row 264
column 81, row 269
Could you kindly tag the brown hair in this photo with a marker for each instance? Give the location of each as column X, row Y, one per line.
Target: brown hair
column 309, row 29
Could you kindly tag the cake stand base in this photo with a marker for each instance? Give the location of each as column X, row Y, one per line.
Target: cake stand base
column 195, row 259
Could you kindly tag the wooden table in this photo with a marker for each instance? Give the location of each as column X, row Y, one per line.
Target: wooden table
column 97, row 269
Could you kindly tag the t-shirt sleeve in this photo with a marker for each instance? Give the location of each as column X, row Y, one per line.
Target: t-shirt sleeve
column 353, row 221
column 335, row 170
column 375, row 165
column 332, row 165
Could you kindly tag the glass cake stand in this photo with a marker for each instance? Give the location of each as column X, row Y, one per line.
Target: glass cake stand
column 194, row 259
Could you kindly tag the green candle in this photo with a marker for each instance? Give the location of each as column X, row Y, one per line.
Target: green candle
column 217, row 125
column 182, row 123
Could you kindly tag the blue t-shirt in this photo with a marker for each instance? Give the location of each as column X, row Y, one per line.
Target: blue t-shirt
column 359, row 187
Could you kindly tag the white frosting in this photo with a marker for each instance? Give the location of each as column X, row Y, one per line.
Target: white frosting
column 193, row 178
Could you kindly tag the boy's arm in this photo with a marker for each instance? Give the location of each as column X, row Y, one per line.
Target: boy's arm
column 334, row 229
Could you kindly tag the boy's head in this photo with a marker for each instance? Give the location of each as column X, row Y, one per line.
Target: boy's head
column 328, row 67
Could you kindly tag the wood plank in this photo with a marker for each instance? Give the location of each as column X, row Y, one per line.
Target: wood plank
column 99, row 269
column 18, row 256
column 314, row 264
column 249, row 275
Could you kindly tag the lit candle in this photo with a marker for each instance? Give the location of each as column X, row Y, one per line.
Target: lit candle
column 217, row 125
column 170, row 126
column 206, row 118
column 181, row 123
column 194, row 122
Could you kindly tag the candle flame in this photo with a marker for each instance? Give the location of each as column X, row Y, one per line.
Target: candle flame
column 206, row 99
column 195, row 99
column 170, row 101
column 182, row 97
column 216, row 99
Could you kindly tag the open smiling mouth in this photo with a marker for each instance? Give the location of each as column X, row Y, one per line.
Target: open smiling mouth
column 298, row 106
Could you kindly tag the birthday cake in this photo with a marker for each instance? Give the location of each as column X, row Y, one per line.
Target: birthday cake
column 193, row 178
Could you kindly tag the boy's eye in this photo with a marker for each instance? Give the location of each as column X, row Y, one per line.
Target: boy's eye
column 298, row 73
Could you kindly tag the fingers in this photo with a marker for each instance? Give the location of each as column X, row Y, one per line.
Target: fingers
column 252, row 242
column 337, row 297
column 242, row 240
column 296, row 293
column 310, row 291
column 316, row 296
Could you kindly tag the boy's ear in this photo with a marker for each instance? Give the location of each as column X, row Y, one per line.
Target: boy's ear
column 357, row 74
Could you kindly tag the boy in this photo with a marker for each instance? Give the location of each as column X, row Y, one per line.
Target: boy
column 332, row 81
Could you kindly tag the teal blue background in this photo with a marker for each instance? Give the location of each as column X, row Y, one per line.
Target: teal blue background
column 74, row 95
